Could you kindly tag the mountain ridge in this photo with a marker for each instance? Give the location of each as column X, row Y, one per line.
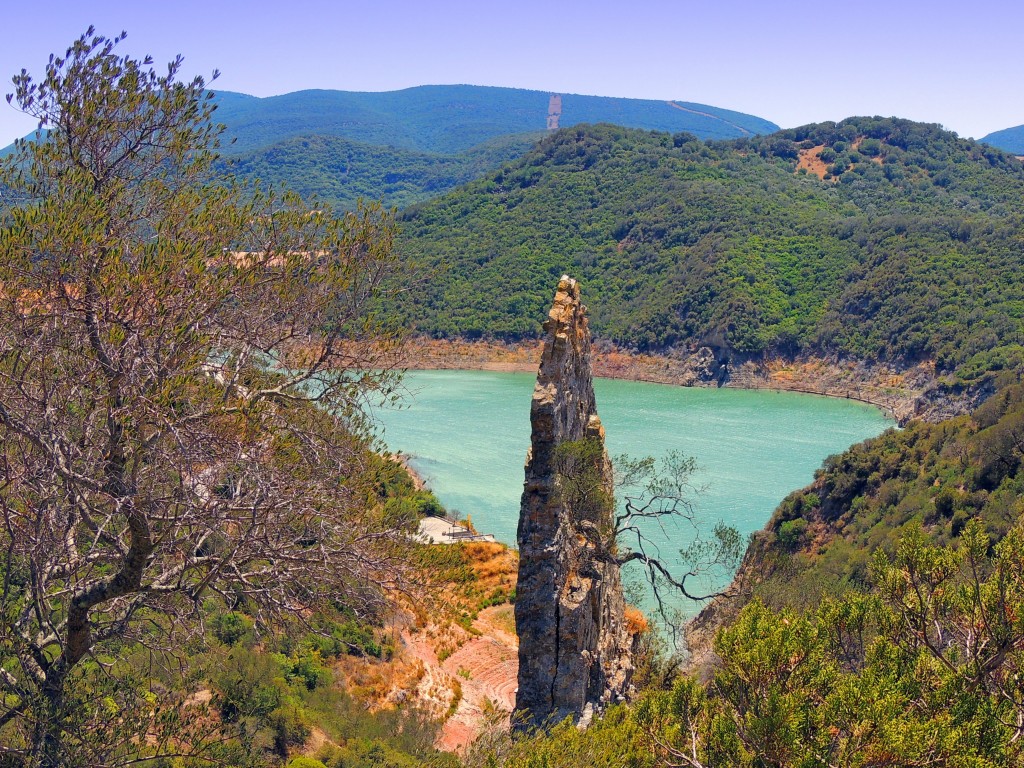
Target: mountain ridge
column 453, row 118
column 1009, row 139
column 406, row 146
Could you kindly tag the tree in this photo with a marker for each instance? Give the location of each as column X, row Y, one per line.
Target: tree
column 660, row 491
column 963, row 609
column 183, row 365
column 653, row 492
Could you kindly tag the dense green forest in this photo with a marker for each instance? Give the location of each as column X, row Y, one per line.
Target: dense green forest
column 403, row 147
column 1009, row 139
column 907, row 247
column 340, row 172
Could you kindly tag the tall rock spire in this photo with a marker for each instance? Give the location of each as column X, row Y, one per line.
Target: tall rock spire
column 574, row 647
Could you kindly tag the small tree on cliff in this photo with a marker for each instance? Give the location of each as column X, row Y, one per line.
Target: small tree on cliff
column 182, row 365
column 654, row 492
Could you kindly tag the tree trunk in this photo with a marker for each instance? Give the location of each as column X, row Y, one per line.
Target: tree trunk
column 49, row 736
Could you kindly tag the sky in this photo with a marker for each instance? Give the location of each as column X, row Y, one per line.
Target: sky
column 960, row 64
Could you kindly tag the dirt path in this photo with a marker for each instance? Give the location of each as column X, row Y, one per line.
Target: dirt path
column 740, row 128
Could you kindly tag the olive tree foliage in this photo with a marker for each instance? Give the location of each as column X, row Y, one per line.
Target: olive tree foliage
column 183, row 365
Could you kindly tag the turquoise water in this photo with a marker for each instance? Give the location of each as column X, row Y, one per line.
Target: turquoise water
column 466, row 433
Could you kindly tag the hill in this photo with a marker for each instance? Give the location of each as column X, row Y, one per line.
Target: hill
column 875, row 239
column 1010, row 140
column 929, row 477
column 448, row 119
column 340, row 171
column 407, row 146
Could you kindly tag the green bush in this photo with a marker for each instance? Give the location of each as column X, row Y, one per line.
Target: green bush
column 945, row 501
column 428, row 504
column 247, row 684
column 408, row 730
column 305, row 667
column 305, row 762
column 347, row 638
column 290, row 725
column 232, row 627
column 791, row 533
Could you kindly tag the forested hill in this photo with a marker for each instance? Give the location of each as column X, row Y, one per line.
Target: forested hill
column 1010, row 139
column 453, row 118
column 882, row 239
column 341, row 172
column 407, row 146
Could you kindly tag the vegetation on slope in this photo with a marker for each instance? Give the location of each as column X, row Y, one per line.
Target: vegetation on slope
column 406, row 146
column 336, row 685
column 882, row 623
column 932, row 477
column 340, row 172
column 922, row 671
column 271, row 695
column 907, row 247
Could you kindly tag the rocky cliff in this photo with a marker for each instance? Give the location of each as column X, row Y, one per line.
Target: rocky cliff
column 574, row 647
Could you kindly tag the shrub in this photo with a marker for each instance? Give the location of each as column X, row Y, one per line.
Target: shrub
column 305, row 668
column 305, row 762
column 290, row 726
column 791, row 533
column 232, row 627
column 247, row 685
column 944, row 502
column 357, row 640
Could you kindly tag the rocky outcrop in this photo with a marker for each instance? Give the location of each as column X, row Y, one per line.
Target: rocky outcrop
column 574, row 646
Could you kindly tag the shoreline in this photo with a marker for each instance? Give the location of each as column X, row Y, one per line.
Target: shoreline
column 401, row 458
column 897, row 392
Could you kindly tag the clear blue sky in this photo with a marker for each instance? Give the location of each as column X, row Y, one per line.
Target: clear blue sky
column 956, row 63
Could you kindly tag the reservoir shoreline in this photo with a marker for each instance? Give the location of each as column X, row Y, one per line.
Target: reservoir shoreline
column 899, row 392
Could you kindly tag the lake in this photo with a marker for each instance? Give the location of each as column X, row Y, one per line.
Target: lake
column 466, row 433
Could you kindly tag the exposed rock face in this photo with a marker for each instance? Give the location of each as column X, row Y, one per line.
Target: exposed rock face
column 574, row 647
